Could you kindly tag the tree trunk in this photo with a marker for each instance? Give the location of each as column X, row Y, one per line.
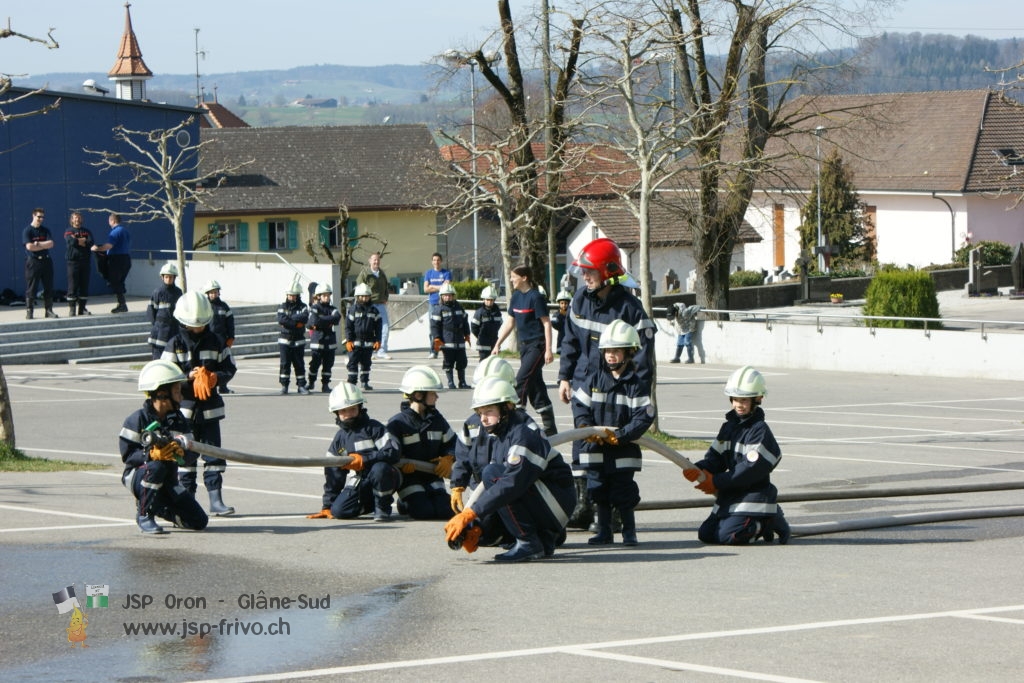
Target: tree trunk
column 6, row 415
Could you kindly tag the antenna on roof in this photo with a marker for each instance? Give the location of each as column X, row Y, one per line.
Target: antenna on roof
column 199, row 53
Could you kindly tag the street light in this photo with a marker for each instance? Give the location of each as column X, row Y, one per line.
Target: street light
column 460, row 59
column 817, row 155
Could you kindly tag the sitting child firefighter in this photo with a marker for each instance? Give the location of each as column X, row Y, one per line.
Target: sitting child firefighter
column 151, row 462
column 737, row 469
column 529, row 487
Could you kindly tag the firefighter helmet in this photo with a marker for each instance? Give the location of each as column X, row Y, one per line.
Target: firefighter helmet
column 169, row 269
column 343, row 396
column 746, row 383
column 446, row 288
column 210, row 286
column 488, row 293
column 493, row 391
column 563, row 295
column 362, row 289
column 420, row 378
column 494, row 366
column 294, row 289
column 193, row 309
column 619, row 335
column 323, row 288
column 602, row 255
column 157, row 373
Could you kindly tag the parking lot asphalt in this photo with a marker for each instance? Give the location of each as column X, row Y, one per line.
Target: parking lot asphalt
column 391, row 602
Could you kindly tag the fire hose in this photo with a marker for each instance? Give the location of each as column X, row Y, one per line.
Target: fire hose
column 279, row 461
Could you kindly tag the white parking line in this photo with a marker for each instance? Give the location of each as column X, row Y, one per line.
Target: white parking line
column 586, row 648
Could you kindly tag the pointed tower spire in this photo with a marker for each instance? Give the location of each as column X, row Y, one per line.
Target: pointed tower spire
column 130, row 73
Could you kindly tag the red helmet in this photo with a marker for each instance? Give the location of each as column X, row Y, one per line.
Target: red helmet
column 602, row 255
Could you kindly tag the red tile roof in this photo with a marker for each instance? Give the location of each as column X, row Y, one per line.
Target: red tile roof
column 129, row 55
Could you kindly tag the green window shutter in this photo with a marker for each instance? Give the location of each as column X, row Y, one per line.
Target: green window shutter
column 293, row 234
column 264, row 233
column 352, row 233
column 243, row 237
column 324, row 231
column 215, row 244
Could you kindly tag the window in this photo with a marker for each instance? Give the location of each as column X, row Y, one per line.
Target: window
column 233, row 236
column 330, row 232
column 278, row 234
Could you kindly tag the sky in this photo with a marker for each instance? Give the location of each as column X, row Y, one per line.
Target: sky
column 248, row 35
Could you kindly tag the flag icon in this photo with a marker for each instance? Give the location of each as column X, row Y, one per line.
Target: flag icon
column 96, row 596
column 66, row 600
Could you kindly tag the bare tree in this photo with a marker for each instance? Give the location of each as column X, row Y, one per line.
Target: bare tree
column 6, row 414
column 163, row 178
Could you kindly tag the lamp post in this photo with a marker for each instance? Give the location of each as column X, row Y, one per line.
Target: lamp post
column 459, row 59
column 817, row 155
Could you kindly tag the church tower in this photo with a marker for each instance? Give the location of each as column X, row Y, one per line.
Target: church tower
column 130, row 73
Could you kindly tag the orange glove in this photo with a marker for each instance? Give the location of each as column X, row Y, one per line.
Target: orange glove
column 203, row 383
column 471, row 539
column 443, row 468
column 229, row 342
column 708, row 485
column 376, row 345
column 169, row 452
column 610, row 438
column 323, row 514
column 457, row 504
column 299, row 326
column 357, row 463
column 456, row 526
column 407, row 468
column 467, row 339
column 438, row 344
column 692, row 474
column 349, row 346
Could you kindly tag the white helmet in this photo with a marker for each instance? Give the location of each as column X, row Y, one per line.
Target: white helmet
column 563, row 295
column 157, row 373
column 344, row 395
column 446, row 288
column 193, row 309
column 619, row 335
column 492, row 391
column 543, row 292
column 295, row 289
column 169, row 269
column 323, row 289
column 494, row 366
column 746, row 383
column 488, row 293
column 420, row 378
column 210, row 286
column 362, row 289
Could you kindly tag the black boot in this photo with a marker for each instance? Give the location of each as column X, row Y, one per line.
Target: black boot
column 547, row 418
column 72, row 308
column 462, row 380
column 48, row 305
column 148, row 525
column 81, row 307
column 604, row 527
column 122, row 306
column 628, row 527
column 302, row 389
column 583, row 514
column 528, row 545
column 451, row 380
column 217, row 506
column 30, row 308
column 679, row 353
column 325, row 387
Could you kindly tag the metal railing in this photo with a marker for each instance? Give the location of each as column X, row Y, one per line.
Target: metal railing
column 219, row 256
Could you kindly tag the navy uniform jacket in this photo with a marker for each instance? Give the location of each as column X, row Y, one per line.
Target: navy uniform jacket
column 740, row 460
column 322, row 319
column 223, row 322
column 587, row 319
column 422, row 438
column 363, row 325
column 529, row 461
column 292, row 317
column 130, row 438
column 450, row 324
column 369, row 439
column 622, row 403
column 160, row 312
column 76, row 251
column 207, row 350
column 486, row 324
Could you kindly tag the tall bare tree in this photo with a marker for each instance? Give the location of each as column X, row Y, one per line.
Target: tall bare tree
column 163, row 178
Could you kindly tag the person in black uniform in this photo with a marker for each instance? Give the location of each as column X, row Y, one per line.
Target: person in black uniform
column 79, row 241
column 207, row 363
column 449, row 327
column 292, row 316
column 38, row 264
column 368, row 483
column 528, row 486
column 424, row 435
column 223, row 322
column 562, row 299
column 363, row 328
column 160, row 311
column 486, row 323
column 151, row 471
column 323, row 340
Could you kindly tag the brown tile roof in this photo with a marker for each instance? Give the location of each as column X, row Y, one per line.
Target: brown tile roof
column 320, row 168
column 216, row 115
column 939, row 141
column 129, row 55
column 668, row 227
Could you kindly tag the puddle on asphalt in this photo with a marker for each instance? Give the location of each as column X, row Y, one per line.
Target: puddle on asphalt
column 221, row 639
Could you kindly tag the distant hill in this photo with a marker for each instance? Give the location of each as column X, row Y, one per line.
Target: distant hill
column 891, row 62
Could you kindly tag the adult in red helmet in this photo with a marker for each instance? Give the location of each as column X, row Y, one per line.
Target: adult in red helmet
column 604, row 298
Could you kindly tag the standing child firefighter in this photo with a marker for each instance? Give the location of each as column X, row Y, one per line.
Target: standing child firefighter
column 323, row 340
column 449, row 327
column 363, row 329
column 292, row 316
column 737, row 470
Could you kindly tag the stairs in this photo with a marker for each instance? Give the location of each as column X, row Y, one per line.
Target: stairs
column 107, row 338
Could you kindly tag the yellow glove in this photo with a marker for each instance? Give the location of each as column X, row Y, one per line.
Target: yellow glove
column 407, row 468
column 357, row 463
column 457, row 524
column 457, row 504
column 610, row 438
column 323, row 514
column 349, row 346
column 443, row 468
column 169, row 452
